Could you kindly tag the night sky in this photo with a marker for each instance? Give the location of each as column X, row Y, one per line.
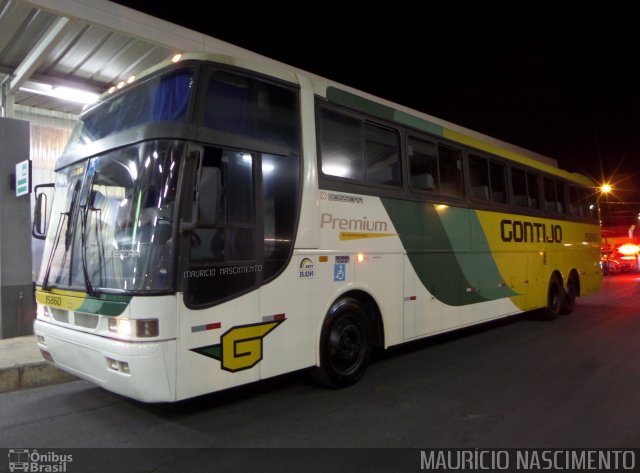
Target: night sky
column 563, row 84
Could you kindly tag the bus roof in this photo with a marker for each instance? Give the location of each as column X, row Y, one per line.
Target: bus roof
column 344, row 95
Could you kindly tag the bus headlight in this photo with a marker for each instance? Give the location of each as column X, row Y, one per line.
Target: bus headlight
column 43, row 312
column 141, row 328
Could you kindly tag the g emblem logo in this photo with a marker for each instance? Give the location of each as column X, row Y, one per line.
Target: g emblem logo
column 240, row 348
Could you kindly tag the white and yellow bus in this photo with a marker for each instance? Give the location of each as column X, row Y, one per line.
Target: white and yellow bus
column 221, row 221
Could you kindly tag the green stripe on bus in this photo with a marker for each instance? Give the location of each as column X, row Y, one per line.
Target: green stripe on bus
column 454, row 270
column 104, row 307
column 346, row 99
column 355, row 102
column 478, row 265
column 418, row 123
column 104, row 304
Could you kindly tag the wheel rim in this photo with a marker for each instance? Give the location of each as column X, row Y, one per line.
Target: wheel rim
column 554, row 299
column 347, row 345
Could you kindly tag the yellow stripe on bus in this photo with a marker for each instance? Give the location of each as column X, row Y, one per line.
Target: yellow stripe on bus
column 60, row 300
column 359, row 235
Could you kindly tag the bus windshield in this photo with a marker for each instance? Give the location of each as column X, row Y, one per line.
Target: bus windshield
column 159, row 99
column 114, row 224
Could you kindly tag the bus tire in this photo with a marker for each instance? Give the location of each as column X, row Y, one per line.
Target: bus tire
column 555, row 297
column 345, row 345
column 570, row 294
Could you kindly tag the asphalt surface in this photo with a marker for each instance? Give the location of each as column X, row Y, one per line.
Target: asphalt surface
column 516, row 383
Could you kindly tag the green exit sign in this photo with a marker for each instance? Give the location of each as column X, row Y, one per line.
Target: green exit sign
column 23, row 178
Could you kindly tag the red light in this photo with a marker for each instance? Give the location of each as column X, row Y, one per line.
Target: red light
column 629, row 249
column 47, row 356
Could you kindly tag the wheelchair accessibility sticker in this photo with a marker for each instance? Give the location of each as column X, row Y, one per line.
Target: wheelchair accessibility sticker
column 339, row 272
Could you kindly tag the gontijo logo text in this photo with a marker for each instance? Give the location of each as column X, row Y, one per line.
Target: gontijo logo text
column 515, row 230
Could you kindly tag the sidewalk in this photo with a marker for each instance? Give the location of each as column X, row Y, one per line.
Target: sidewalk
column 22, row 366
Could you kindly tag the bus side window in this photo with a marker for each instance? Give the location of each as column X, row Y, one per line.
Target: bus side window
column 353, row 148
column 574, row 205
column 382, row 148
column 561, row 201
column 280, row 197
column 549, row 195
column 423, row 165
column 553, row 195
column 533, row 190
column 479, row 177
column 218, row 248
column 450, row 164
column 498, row 177
column 253, row 108
column 342, row 150
column 519, row 187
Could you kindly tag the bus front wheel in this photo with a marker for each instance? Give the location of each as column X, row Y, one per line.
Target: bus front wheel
column 345, row 344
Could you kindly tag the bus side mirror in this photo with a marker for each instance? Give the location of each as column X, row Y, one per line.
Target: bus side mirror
column 204, row 210
column 40, row 215
column 189, row 219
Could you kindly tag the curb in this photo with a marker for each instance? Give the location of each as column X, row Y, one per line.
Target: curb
column 31, row 375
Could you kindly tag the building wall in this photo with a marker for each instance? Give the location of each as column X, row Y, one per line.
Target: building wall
column 38, row 135
column 16, row 289
column 49, row 132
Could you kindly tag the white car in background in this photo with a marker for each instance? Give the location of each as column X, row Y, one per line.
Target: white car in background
column 628, row 256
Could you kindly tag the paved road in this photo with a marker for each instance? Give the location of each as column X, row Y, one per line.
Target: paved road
column 521, row 382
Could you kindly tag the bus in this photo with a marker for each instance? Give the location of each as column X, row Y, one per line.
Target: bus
column 223, row 220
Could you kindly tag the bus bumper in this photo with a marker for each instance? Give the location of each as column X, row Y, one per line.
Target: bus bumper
column 144, row 371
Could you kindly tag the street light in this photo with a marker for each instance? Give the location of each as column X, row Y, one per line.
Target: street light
column 604, row 189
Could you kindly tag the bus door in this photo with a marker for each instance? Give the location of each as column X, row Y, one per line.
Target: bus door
column 222, row 250
column 242, row 239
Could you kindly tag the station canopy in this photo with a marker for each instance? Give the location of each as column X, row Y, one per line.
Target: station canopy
column 58, row 55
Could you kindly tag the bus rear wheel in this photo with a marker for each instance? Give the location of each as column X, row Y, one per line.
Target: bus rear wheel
column 570, row 294
column 345, row 345
column 555, row 298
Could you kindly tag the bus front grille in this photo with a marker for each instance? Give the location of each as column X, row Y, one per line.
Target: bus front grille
column 86, row 320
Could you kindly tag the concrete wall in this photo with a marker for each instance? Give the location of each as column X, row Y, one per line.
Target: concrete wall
column 16, row 290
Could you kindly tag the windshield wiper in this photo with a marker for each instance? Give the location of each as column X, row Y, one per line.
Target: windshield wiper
column 83, row 241
column 68, row 215
column 45, row 282
column 85, row 198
